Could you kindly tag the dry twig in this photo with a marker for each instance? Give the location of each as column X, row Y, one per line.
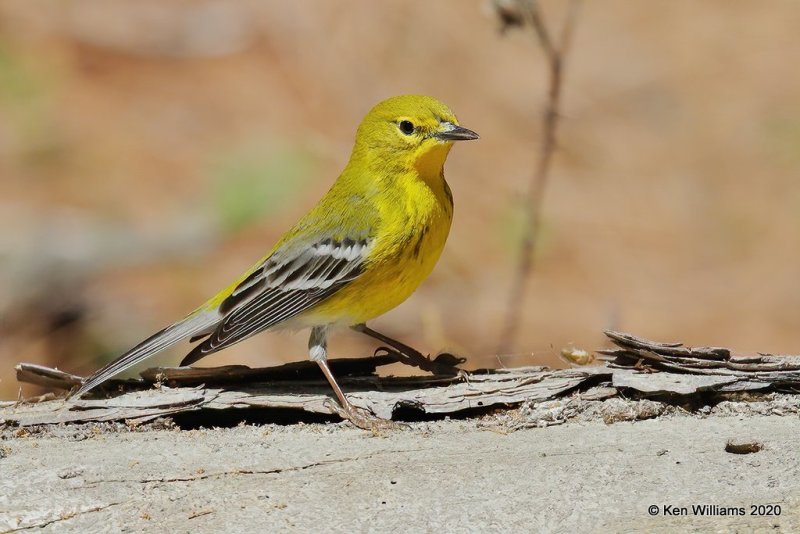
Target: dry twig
column 529, row 13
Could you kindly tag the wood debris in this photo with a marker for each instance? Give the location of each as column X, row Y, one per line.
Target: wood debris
column 691, row 364
column 638, row 368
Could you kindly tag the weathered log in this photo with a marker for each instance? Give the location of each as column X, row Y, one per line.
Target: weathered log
column 638, row 367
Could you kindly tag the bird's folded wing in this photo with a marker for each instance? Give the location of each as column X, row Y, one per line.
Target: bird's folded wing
column 283, row 286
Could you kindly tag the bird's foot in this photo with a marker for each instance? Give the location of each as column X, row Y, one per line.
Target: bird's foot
column 364, row 419
column 444, row 363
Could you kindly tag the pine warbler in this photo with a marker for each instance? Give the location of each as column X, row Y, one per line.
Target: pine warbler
column 361, row 251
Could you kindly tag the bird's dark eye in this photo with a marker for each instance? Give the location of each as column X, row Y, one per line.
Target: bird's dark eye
column 407, row 127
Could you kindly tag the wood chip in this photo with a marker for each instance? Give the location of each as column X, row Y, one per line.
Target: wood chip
column 743, row 446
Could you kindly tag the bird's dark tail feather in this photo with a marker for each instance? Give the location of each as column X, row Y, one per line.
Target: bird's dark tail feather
column 191, row 326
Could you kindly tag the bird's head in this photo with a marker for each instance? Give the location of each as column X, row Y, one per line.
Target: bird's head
column 410, row 131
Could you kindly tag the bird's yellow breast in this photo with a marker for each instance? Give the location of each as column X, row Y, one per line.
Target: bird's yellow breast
column 415, row 218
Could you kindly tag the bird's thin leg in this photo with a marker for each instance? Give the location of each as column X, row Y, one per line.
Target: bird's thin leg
column 413, row 357
column 318, row 352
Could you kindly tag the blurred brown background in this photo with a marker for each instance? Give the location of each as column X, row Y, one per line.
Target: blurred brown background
column 151, row 151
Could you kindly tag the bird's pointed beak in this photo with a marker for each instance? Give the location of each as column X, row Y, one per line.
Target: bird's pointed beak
column 452, row 132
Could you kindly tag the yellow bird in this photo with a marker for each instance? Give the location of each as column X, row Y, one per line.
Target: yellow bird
column 361, row 251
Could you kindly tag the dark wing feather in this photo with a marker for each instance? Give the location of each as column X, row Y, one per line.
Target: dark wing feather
column 284, row 286
column 196, row 324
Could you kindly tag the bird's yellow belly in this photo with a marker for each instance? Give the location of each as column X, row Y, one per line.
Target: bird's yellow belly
column 390, row 280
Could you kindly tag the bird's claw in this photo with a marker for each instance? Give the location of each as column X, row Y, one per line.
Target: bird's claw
column 364, row 419
column 449, row 360
column 443, row 364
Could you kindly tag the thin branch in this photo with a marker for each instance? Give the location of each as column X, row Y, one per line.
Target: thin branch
column 538, row 185
column 535, row 18
column 569, row 27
